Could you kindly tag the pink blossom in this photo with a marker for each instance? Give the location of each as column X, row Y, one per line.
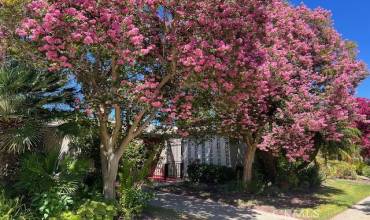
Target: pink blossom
column 88, row 40
column 156, row 104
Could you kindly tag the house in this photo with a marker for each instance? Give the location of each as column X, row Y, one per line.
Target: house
column 179, row 153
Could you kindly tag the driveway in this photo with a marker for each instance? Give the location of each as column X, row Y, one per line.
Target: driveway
column 207, row 209
column 360, row 211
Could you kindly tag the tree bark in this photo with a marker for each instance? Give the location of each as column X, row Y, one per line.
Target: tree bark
column 248, row 162
column 109, row 173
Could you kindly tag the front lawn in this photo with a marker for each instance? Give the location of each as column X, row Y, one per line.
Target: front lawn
column 344, row 194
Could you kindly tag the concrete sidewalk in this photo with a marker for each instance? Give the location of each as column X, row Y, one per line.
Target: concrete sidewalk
column 207, row 209
column 360, row 211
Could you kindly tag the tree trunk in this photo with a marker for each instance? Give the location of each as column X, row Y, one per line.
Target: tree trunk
column 248, row 163
column 109, row 168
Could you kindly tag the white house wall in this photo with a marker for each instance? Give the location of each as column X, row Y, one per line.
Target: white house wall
column 212, row 151
column 216, row 150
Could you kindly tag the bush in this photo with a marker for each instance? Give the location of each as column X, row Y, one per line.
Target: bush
column 360, row 166
column 290, row 177
column 51, row 184
column 51, row 203
column 339, row 169
column 310, row 177
column 12, row 208
column 96, row 210
column 89, row 210
column 366, row 171
column 133, row 201
column 210, row 174
column 133, row 172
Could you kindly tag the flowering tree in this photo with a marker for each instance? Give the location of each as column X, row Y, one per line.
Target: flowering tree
column 121, row 53
column 279, row 86
column 135, row 58
column 272, row 72
column 364, row 125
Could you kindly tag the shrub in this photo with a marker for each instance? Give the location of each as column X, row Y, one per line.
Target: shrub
column 96, row 210
column 50, row 183
column 68, row 215
column 290, row 177
column 12, row 208
column 310, row 177
column 366, row 171
column 133, row 200
column 89, row 209
column 51, row 203
column 339, row 169
column 360, row 166
column 210, row 174
column 133, row 172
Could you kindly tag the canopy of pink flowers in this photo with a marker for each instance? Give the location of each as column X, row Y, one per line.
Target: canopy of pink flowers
column 276, row 72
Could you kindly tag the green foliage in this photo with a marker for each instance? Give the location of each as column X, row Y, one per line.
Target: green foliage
column 37, row 172
column 346, row 149
column 338, row 169
column 210, row 174
column 24, row 93
column 288, row 177
column 360, row 166
column 52, row 184
column 310, row 177
column 68, row 215
column 96, row 210
column 134, row 170
column 89, row 210
column 11, row 209
column 133, row 201
column 366, row 171
column 52, row 202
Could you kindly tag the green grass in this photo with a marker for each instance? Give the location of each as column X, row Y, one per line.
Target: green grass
column 337, row 196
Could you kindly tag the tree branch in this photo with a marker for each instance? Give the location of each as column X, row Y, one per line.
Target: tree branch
column 117, row 108
column 103, row 120
column 145, row 124
column 118, row 124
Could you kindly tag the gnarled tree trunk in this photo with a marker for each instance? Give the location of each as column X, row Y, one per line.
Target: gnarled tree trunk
column 248, row 162
column 109, row 168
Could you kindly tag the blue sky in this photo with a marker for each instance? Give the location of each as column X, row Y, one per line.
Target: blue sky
column 352, row 20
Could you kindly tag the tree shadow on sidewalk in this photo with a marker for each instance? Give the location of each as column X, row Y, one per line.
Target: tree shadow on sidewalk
column 271, row 202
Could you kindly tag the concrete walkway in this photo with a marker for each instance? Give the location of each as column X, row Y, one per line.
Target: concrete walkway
column 207, row 209
column 360, row 211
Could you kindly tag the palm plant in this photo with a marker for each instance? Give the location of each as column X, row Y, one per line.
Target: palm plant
column 24, row 93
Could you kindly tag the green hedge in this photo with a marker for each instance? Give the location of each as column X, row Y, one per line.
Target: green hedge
column 210, row 174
